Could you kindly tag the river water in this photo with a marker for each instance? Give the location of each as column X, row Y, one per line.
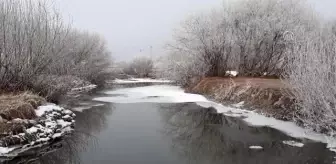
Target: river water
column 125, row 131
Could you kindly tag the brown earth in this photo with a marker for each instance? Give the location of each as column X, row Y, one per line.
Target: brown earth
column 269, row 96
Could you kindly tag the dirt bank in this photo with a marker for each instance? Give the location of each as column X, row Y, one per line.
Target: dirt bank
column 268, row 96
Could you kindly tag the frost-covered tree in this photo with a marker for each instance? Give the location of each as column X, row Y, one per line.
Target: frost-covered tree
column 312, row 76
column 253, row 37
column 140, row 67
column 36, row 43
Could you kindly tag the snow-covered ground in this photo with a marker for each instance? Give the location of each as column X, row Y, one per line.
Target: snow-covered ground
column 259, row 120
column 256, row 147
column 293, row 143
column 140, row 80
column 53, row 122
column 174, row 94
column 232, row 73
column 85, row 88
column 155, row 93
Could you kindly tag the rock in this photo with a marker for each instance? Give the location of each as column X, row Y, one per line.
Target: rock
column 67, row 118
column 25, row 133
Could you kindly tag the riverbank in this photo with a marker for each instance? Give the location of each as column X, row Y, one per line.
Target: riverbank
column 28, row 121
column 265, row 95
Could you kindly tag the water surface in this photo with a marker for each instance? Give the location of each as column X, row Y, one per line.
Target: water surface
column 170, row 133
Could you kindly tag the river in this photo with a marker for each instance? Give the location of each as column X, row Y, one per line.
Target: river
column 128, row 129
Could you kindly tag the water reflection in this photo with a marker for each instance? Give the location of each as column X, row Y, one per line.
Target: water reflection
column 203, row 136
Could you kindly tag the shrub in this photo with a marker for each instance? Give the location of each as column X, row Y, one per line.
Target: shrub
column 35, row 41
column 139, row 67
column 312, row 76
column 253, row 37
column 20, row 105
column 52, row 87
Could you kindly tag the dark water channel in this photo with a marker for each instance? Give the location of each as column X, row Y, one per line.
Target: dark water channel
column 176, row 133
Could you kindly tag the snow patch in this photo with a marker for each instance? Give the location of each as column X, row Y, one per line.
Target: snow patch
column 57, row 135
column 63, row 123
column 41, row 110
column 140, row 80
column 153, row 94
column 256, row 147
column 42, row 140
column 53, row 122
column 255, row 119
column 66, row 117
column 174, row 94
column 98, row 105
column 239, row 105
column 32, row 130
column 293, row 143
column 232, row 73
column 65, row 111
column 5, row 150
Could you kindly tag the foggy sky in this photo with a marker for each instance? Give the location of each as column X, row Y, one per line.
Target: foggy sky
column 133, row 25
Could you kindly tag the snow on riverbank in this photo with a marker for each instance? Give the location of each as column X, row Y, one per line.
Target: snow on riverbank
column 174, row 94
column 256, row 147
column 140, row 80
column 155, row 93
column 293, row 143
column 258, row 120
column 53, row 122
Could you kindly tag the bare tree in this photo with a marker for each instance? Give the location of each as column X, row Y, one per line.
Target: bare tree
column 249, row 36
column 35, row 42
column 312, row 75
column 140, row 67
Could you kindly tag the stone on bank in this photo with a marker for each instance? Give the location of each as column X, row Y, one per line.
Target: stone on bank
column 52, row 122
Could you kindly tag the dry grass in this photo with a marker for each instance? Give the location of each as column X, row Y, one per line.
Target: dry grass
column 267, row 95
column 20, row 105
column 207, row 84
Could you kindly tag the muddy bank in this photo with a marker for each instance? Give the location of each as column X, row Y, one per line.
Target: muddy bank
column 268, row 96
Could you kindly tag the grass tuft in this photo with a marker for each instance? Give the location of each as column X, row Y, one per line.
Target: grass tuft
column 20, row 105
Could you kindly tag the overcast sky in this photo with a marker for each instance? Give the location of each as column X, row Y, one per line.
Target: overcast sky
column 133, row 25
